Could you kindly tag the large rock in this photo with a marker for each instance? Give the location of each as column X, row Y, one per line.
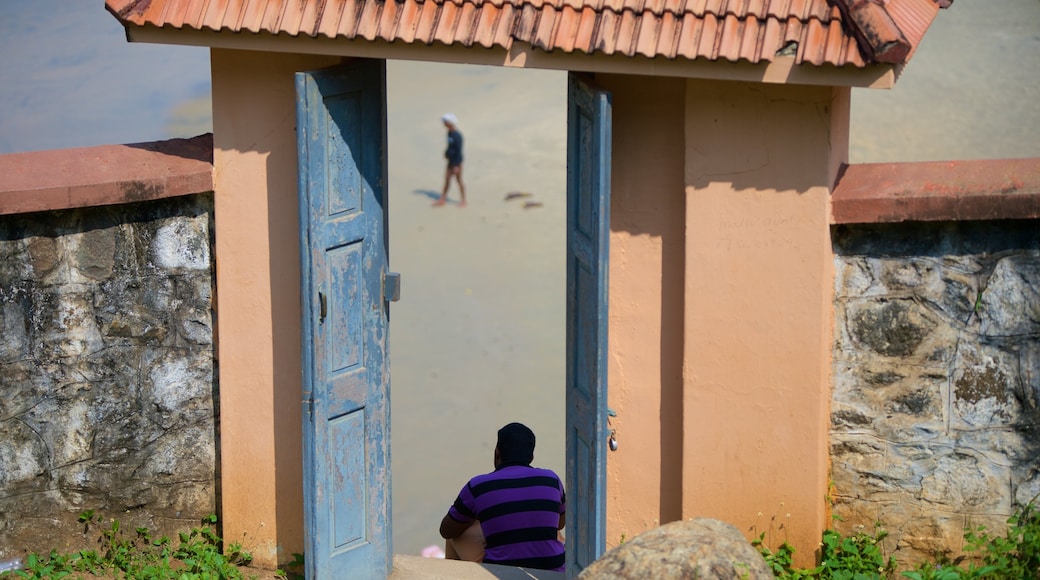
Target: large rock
column 699, row 548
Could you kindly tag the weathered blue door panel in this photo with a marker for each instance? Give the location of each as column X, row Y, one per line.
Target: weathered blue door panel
column 588, row 236
column 341, row 134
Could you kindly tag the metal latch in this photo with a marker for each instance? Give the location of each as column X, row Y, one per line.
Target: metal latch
column 391, row 286
column 612, row 441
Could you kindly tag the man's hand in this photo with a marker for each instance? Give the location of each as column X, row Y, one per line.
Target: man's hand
column 451, row 529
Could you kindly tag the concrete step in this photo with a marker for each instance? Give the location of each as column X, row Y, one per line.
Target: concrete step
column 417, row 567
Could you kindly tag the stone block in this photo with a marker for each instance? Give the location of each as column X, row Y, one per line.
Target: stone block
column 1010, row 304
column 46, row 260
column 64, row 321
column 894, row 328
column 182, row 245
column 14, row 327
column 92, row 254
column 983, row 385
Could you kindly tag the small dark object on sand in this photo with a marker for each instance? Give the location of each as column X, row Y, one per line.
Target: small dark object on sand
column 517, row 195
column 530, row 204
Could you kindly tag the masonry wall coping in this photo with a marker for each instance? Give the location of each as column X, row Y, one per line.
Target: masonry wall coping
column 104, row 175
column 994, row 189
column 863, row 193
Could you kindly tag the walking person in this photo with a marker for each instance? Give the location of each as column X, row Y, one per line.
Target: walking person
column 511, row 516
column 454, row 156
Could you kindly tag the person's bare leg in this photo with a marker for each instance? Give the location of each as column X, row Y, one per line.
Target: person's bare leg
column 469, row 546
column 462, row 188
column 444, row 191
column 449, row 550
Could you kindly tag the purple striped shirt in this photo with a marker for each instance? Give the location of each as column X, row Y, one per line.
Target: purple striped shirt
column 519, row 509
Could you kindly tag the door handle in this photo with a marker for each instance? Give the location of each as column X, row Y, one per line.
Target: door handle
column 324, row 307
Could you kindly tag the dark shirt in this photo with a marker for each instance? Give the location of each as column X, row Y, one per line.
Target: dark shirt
column 454, row 152
column 519, row 509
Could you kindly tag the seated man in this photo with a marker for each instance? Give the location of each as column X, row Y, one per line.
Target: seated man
column 516, row 509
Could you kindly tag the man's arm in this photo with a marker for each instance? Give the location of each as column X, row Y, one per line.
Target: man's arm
column 563, row 506
column 451, row 529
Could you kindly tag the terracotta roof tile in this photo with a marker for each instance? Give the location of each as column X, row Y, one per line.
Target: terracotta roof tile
column 817, row 32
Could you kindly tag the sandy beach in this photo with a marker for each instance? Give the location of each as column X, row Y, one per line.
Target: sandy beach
column 477, row 339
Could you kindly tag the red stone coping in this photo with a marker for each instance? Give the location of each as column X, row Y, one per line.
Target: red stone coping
column 105, row 175
column 937, row 191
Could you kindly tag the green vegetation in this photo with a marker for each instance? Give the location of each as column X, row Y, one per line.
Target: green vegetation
column 197, row 556
column 1013, row 556
column 201, row 555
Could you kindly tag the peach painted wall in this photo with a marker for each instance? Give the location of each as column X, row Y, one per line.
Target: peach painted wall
column 258, row 281
column 644, row 476
column 760, row 160
column 719, row 294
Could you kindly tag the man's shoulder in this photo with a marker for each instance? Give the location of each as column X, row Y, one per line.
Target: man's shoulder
column 546, row 472
column 531, row 471
column 514, row 471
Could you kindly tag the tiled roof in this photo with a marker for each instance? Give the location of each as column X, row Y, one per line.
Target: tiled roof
column 835, row 32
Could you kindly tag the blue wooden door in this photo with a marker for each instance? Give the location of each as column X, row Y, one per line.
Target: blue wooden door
column 341, row 133
column 588, row 236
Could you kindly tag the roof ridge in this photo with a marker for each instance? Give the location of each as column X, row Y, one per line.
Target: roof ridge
column 876, row 32
column 128, row 7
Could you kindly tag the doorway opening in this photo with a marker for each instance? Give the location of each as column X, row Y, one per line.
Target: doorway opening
column 478, row 338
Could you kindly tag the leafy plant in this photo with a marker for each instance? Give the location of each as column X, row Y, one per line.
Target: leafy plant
column 990, row 557
column 293, row 570
column 1012, row 556
column 856, row 557
column 780, row 561
column 121, row 555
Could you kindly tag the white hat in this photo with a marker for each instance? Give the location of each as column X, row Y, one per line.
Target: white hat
column 450, row 118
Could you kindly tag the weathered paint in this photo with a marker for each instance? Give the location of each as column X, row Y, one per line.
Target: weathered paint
column 588, row 225
column 258, row 277
column 341, row 123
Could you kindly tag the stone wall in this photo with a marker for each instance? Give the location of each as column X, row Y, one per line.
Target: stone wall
column 936, row 399
column 107, row 372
